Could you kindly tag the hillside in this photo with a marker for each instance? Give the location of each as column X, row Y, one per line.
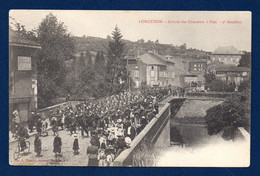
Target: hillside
column 96, row 44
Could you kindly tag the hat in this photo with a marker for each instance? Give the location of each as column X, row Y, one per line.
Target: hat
column 75, row 135
column 128, row 140
column 119, row 121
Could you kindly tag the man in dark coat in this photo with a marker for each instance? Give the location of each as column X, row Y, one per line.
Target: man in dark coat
column 120, row 145
column 92, row 152
column 37, row 145
column 39, row 127
column 31, row 122
column 76, row 145
column 23, row 134
column 130, row 131
column 57, row 145
column 54, row 126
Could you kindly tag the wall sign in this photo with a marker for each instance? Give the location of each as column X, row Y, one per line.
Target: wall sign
column 24, row 63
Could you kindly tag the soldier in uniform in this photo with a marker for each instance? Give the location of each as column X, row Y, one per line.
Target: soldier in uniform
column 37, row 145
column 57, row 143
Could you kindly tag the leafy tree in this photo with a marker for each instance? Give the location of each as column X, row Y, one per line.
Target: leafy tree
column 57, row 47
column 116, row 66
column 222, row 86
column 245, row 60
column 100, row 62
column 209, row 78
column 88, row 59
column 245, row 85
column 225, row 118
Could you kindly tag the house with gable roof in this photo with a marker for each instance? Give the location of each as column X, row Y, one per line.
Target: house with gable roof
column 22, row 75
column 227, row 55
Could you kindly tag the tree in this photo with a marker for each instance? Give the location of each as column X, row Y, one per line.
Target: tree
column 245, row 85
column 245, row 60
column 116, row 66
column 57, row 47
column 209, row 78
column 222, row 86
column 100, row 62
column 234, row 112
column 88, row 59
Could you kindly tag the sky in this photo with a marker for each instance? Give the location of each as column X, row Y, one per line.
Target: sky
column 222, row 29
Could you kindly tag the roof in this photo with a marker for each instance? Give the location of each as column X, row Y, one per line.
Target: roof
column 16, row 39
column 162, row 58
column 226, row 50
column 197, row 60
column 189, row 75
column 151, row 59
column 233, row 69
column 216, row 64
column 178, row 65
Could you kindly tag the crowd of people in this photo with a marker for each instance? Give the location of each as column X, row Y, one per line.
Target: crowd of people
column 111, row 123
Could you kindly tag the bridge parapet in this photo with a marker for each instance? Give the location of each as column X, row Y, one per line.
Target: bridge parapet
column 44, row 113
column 154, row 136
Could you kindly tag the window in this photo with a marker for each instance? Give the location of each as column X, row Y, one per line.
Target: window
column 137, row 84
column 195, row 67
column 200, row 67
column 162, row 74
column 24, row 63
column 152, row 73
column 136, row 73
column 11, row 82
column 173, row 74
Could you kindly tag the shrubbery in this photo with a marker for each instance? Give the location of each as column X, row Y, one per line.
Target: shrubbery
column 219, row 85
column 232, row 113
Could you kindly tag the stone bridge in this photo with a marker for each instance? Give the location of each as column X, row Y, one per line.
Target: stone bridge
column 154, row 137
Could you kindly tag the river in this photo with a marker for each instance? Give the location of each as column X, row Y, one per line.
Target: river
column 201, row 149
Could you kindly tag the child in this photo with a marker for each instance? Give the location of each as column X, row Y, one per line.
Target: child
column 76, row 145
column 101, row 157
column 109, row 156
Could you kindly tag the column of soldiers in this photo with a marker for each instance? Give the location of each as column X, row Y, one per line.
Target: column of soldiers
column 111, row 123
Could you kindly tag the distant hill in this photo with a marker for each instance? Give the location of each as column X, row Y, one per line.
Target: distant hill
column 139, row 47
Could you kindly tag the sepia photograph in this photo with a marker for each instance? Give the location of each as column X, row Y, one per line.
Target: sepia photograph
column 95, row 88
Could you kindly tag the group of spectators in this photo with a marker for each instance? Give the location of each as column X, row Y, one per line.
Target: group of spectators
column 111, row 122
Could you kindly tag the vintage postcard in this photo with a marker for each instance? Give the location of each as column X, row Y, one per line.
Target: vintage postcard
column 129, row 88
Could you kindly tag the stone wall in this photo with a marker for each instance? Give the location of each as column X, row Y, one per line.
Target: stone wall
column 154, row 137
column 44, row 113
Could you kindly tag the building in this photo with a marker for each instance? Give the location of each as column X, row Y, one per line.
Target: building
column 134, row 71
column 233, row 74
column 22, row 75
column 168, row 75
column 212, row 66
column 195, row 70
column 227, row 55
column 153, row 70
column 197, row 66
column 178, row 68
